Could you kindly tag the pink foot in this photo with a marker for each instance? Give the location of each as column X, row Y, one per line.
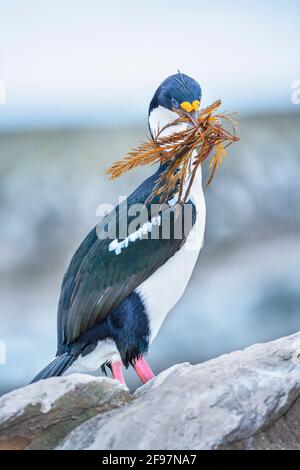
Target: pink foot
column 143, row 370
column 117, row 371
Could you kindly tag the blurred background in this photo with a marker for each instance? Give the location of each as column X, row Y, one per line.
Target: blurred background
column 79, row 77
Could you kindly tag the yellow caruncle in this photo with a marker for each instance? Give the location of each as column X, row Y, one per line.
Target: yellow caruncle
column 189, row 107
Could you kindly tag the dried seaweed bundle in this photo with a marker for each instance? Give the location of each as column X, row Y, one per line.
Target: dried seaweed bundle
column 208, row 134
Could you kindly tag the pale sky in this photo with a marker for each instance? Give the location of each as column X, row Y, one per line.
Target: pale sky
column 86, row 62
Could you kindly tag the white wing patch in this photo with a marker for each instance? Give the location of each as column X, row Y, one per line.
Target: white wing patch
column 146, row 228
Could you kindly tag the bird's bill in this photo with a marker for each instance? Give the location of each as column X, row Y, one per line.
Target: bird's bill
column 192, row 115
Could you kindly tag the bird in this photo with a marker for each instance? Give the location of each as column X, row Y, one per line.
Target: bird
column 117, row 292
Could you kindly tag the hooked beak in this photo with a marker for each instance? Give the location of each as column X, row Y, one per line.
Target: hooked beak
column 192, row 115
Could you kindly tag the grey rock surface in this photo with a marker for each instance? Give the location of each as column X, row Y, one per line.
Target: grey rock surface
column 239, row 400
column 283, row 434
column 39, row 415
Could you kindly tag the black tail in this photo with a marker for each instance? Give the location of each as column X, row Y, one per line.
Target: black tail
column 57, row 367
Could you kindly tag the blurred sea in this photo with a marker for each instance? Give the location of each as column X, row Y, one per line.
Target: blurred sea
column 245, row 287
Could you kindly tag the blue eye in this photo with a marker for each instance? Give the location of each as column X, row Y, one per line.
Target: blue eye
column 174, row 103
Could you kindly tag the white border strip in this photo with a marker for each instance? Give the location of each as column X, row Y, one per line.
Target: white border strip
column 2, row 352
column 2, row 92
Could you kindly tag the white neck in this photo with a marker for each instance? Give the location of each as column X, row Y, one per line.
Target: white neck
column 160, row 117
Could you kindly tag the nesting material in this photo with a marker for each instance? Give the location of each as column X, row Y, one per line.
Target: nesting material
column 183, row 151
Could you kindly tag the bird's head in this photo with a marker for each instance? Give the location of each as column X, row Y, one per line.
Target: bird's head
column 177, row 94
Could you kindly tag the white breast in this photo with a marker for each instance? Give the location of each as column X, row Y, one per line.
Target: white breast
column 160, row 117
column 161, row 291
column 164, row 288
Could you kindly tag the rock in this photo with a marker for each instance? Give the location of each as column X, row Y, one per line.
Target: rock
column 248, row 399
column 283, row 434
column 235, row 401
column 39, row 415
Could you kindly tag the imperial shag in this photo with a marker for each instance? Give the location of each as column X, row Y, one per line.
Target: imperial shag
column 116, row 293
